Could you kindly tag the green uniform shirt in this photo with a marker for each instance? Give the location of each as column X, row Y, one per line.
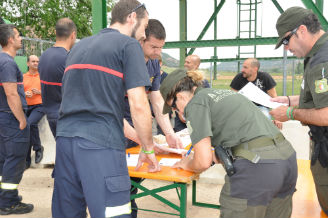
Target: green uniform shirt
column 227, row 117
column 314, row 88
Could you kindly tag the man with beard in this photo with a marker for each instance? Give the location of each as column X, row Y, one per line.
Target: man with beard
column 14, row 131
column 91, row 169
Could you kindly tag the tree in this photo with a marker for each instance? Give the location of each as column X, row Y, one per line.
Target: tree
column 37, row 18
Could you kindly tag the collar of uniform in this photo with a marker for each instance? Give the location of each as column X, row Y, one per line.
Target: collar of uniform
column 106, row 30
column 30, row 74
column 318, row 45
column 198, row 89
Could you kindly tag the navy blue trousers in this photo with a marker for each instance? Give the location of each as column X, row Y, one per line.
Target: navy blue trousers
column 13, row 151
column 88, row 174
column 34, row 115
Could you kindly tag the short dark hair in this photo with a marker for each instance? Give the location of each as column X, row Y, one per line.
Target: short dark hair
column 156, row 29
column 6, row 31
column 123, row 8
column 64, row 28
column 312, row 23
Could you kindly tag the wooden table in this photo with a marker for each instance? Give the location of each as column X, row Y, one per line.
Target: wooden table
column 179, row 178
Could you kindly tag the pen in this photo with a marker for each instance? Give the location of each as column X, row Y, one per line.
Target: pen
column 191, row 147
column 128, row 155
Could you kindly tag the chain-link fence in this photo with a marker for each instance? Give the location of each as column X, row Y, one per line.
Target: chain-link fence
column 32, row 46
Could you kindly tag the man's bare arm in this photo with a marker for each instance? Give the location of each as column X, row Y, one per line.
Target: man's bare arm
column 141, row 116
column 272, row 92
column 130, row 132
column 318, row 117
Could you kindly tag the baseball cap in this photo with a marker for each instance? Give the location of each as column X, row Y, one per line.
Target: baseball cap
column 289, row 20
column 168, row 84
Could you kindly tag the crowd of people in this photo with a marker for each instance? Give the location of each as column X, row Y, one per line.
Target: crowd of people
column 101, row 94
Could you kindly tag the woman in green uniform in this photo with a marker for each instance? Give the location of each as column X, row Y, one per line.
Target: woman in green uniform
column 264, row 161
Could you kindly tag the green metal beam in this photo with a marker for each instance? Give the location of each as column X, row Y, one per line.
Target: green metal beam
column 222, row 43
column 183, row 29
column 310, row 5
column 278, row 6
column 208, row 24
column 319, row 4
column 99, row 15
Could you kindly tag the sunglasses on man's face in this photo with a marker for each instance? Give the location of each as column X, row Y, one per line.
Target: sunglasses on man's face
column 285, row 40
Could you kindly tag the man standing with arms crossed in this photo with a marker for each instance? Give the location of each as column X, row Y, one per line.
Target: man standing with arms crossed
column 91, row 168
column 32, row 88
column 14, row 132
column 301, row 33
column 51, row 69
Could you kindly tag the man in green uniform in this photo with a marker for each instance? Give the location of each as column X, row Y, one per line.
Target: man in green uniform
column 264, row 161
column 301, row 33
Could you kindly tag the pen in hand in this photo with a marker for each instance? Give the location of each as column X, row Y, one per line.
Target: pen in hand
column 191, row 147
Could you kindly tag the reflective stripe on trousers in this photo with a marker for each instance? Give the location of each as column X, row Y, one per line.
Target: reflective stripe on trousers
column 118, row 210
column 9, row 186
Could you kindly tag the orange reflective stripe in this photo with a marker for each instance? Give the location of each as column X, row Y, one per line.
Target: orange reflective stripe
column 50, row 83
column 95, row 67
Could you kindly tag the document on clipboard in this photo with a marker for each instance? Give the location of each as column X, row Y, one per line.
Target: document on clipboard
column 255, row 94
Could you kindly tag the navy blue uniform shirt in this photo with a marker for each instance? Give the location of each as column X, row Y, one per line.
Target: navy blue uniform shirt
column 99, row 71
column 9, row 72
column 154, row 72
column 51, row 70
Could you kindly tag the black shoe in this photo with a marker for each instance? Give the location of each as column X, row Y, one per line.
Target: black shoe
column 19, row 208
column 39, row 155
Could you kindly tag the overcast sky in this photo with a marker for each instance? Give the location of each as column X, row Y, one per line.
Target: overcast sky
column 167, row 11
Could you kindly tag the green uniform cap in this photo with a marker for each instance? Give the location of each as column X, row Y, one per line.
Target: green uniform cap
column 168, row 84
column 289, row 20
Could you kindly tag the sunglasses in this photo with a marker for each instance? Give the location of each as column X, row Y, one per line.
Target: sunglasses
column 173, row 105
column 139, row 6
column 285, row 41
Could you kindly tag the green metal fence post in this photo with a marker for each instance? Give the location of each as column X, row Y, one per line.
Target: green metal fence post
column 99, row 15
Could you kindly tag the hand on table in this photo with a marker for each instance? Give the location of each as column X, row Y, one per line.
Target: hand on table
column 174, row 141
column 184, row 162
column 153, row 165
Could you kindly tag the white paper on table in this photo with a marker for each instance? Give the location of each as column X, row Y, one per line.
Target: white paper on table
column 132, row 159
column 255, row 94
column 168, row 161
column 164, row 147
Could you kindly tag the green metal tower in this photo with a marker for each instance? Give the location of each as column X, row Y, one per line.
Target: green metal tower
column 247, row 26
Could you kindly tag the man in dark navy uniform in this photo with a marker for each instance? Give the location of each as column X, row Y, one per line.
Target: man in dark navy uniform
column 91, row 169
column 51, row 69
column 152, row 48
column 14, row 132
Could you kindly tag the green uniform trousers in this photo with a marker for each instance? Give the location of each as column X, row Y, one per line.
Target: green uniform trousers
column 320, row 177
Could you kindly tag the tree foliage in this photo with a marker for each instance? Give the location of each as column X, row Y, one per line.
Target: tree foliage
column 37, row 18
